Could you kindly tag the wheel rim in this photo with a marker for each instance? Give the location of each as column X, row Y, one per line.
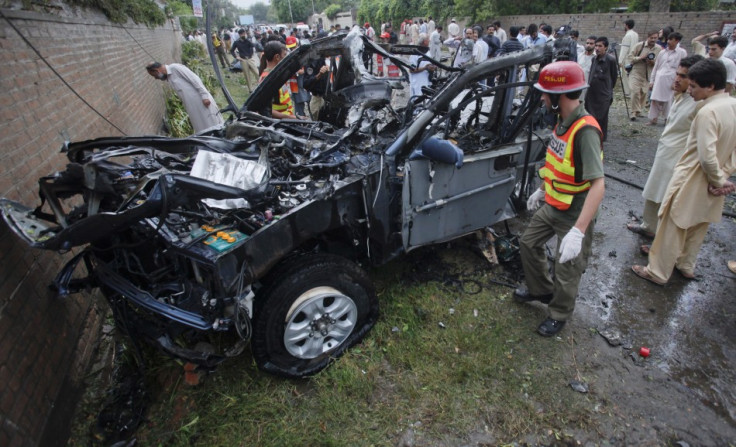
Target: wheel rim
column 319, row 321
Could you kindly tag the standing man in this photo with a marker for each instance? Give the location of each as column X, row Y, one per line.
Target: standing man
column 199, row 103
column 533, row 38
column 435, row 43
column 220, row 50
column 282, row 107
column 569, row 198
column 512, row 45
column 370, row 33
column 695, row 194
column 627, row 44
column 480, row 47
column 242, row 50
column 431, row 26
column 414, row 33
column 493, row 42
column 227, row 39
column 500, row 32
column 640, row 63
column 453, row 29
column 602, row 78
column 716, row 46
column 419, row 74
column 464, row 47
column 730, row 51
column 669, row 150
column 316, row 77
column 663, row 75
column 586, row 60
column 403, row 31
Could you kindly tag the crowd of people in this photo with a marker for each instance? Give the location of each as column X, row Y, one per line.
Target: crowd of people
column 691, row 94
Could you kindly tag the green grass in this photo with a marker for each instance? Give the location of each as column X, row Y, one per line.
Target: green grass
column 485, row 371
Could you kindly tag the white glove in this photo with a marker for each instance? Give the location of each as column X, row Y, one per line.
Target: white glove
column 570, row 245
column 535, row 200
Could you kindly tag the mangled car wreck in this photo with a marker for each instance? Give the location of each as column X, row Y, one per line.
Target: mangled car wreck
column 256, row 230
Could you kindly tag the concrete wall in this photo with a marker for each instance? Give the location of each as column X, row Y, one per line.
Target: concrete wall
column 65, row 74
column 689, row 24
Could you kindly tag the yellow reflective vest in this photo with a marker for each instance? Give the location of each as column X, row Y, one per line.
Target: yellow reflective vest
column 284, row 104
column 560, row 182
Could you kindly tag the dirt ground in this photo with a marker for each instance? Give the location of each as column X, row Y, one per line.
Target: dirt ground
column 683, row 394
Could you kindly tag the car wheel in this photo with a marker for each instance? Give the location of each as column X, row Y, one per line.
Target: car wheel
column 320, row 306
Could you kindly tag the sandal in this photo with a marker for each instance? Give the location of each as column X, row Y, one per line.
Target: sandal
column 732, row 266
column 642, row 272
column 644, row 249
column 636, row 228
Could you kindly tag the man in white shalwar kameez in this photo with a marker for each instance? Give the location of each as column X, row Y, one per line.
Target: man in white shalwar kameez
column 199, row 103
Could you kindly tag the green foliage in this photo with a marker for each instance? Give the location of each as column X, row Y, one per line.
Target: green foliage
column 332, row 10
column 179, row 8
column 188, row 24
column 259, row 12
column 191, row 51
column 177, row 120
column 119, row 11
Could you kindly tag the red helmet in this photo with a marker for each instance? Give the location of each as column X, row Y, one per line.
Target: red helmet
column 561, row 77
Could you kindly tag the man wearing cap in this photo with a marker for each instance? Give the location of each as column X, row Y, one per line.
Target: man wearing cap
column 567, row 202
column 199, row 103
column 242, row 50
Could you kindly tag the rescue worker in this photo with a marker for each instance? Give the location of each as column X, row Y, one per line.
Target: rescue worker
column 282, row 107
column 568, row 200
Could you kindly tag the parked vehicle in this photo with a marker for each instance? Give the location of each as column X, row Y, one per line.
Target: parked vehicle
column 257, row 232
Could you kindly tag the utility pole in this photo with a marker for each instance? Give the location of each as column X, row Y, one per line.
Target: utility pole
column 291, row 14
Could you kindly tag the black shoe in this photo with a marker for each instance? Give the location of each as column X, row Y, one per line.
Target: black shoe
column 522, row 295
column 550, row 327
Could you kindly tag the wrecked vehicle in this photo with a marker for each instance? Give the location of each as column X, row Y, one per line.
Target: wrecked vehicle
column 255, row 232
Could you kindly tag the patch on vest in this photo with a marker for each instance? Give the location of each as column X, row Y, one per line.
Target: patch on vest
column 557, row 146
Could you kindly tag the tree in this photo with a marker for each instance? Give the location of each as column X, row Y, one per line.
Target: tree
column 259, row 12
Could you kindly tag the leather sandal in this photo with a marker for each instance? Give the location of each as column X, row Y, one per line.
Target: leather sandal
column 642, row 272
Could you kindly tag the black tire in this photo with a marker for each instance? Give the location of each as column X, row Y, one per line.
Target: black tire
column 291, row 304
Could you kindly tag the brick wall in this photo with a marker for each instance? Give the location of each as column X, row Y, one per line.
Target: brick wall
column 689, row 24
column 65, row 74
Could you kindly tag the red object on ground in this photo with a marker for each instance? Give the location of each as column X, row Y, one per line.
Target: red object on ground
column 644, row 352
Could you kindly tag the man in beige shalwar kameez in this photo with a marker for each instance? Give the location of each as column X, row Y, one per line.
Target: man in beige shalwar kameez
column 695, row 195
column 671, row 146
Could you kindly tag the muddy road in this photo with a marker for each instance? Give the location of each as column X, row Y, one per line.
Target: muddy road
column 686, row 386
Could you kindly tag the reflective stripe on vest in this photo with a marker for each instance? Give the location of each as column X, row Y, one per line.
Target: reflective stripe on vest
column 559, row 168
column 294, row 84
column 284, row 104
